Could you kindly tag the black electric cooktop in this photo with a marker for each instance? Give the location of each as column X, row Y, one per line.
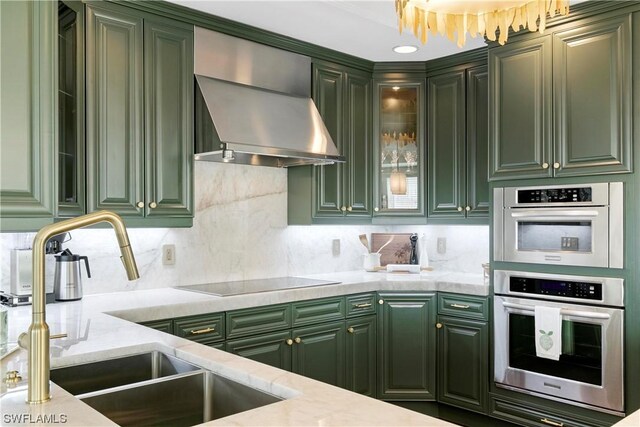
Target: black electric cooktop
column 224, row 289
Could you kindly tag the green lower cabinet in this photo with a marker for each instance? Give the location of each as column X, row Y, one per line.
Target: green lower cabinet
column 463, row 361
column 407, row 346
column 271, row 349
column 361, row 355
column 319, row 352
column 160, row 325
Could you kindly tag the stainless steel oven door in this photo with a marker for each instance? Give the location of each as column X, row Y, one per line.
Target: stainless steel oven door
column 590, row 369
column 566, row 236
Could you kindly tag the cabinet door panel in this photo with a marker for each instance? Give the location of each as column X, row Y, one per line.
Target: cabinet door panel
column 169, row 118
column 592, row 98
column 463, row 363
column 361, row 355
column 478, row 142
column 270, row 349
column 320, row 354
column 29, row 112
column 407, row 347
column 358, row 145
column 114, row 96
column 520, row 106
column 327, row 95
column 446, row 144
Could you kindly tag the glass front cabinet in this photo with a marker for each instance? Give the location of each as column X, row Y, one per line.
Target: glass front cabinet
column 399, row 149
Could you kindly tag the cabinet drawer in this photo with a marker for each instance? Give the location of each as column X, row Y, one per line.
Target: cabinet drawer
column 315, row 311
column 531, row 416
column 204, row 329
column 362, row 304
column 463, row 306
column 242, row 323
column 160, row 325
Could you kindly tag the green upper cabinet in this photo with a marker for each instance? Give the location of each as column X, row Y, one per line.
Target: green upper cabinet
column 139, row 114
column 520, row 109
column 457, row 138
column 338, row 193
column 592, row 98
column 585, row 128
column 398, row 149
column 28, row 119
column 168, row 78
column 406, row 346
column 71, row 85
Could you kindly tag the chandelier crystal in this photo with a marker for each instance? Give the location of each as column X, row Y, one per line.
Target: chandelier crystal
column 490, row 18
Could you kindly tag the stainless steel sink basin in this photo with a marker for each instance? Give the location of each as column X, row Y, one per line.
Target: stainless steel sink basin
column 154, row 389
column 185, row 400
column 105, row 374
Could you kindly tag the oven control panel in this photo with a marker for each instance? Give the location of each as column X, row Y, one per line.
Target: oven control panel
column 555, row 195
column 557, row 288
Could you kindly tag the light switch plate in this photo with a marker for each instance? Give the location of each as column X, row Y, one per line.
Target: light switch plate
column 168, row 254
column 442, row 245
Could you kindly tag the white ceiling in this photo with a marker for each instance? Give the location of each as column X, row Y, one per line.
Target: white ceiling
column 363, row 28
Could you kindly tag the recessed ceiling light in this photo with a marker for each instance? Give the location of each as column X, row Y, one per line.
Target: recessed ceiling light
column 396, row 88
column 405, row 49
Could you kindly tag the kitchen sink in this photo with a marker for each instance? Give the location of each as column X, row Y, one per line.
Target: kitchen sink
column 105, row 374
column 154, row 389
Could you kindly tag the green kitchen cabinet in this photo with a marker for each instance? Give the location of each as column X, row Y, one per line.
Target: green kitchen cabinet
column 205, row 329
column 463, row 363
column 338, row 193
column 593, row 98
column 70, row 199
column 319, row 352
column 160, row 325
column 29, row 111
column 583, row 126
column 520, row 106
column 406, row 346
column 398, row 150
column 361, row 355
column 272, row 349
column 139, row 115
column 457, row 141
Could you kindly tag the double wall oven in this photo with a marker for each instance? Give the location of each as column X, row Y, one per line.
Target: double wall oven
column 572, row 225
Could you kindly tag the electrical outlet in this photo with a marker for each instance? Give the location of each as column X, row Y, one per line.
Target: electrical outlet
column 335, row 247
column 442, row 245
column 168, row 254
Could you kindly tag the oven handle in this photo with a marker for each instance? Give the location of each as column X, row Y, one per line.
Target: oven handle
column 536, row 213
column 564, row 311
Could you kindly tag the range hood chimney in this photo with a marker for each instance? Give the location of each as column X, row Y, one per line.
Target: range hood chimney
column 253, row 105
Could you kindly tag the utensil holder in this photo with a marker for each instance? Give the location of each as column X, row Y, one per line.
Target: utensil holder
column 371, row 261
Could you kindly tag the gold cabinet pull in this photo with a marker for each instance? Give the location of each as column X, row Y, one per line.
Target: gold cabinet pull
column 298, row 340
column 203, row 331
column 464, row 307
column 350, row 208
column 545, row 165
column 153, row 205
column 468, row 208
column 380, row 301
column 556, row 165
column 140, row 205
column 343, row 209
column 289, row 341
column 376, row 209
column 439, row 325
column 459, row 208
column 362, row 305
column 551, row 423
column 350, row 329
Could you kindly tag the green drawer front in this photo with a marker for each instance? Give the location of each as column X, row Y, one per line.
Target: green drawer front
column 218, row 346
column 531, row 416
column 160, row 325
column 315, row 311
column 253, row 321
column 463, row 306
column 204, row 329
column 363, row 304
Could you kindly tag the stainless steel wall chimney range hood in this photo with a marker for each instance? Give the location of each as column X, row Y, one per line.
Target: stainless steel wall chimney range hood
column 253, row 105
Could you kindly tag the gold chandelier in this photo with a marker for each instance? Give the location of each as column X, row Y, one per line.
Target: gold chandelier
column 486, row 18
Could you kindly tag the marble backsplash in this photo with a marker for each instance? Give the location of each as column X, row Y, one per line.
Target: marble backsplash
column 240, row 232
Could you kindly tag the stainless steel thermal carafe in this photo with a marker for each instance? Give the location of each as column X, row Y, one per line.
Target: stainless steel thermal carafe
column 67, row 285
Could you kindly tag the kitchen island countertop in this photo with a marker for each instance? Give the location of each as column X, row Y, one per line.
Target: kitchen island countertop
column 101, row 326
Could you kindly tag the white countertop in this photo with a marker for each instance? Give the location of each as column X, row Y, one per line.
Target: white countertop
column 100, row 327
